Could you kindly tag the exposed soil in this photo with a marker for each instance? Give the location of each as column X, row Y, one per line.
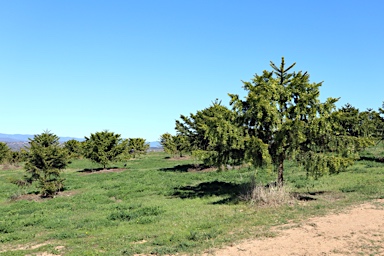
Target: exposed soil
column 38, row 198
column 33, row 247
column 201, row 169
column 355, row 231
column 9, row 166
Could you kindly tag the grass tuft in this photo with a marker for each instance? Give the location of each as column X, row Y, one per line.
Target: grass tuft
column 267, row 196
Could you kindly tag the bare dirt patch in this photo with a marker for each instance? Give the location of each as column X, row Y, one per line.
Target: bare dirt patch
column 38, row 198
column 33, row 247
column 355, row 231
column 201, row 169
column 10, row 167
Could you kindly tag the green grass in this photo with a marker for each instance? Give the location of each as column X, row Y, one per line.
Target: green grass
column 156, row 206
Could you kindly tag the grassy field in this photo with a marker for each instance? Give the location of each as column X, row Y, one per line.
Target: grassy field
column 160, row 205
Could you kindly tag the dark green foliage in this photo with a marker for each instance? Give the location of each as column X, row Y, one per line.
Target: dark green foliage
column 282, row 112
column 137, row 146
column 214, row 135
column 318, row 164
column 349, row 120
column 15, row 157
column 380, row 124
column 45, row 161
column 280, row 118
column 168, row 144
column 4, row 151
column 173, row 145
column 182, row 144
column 354, row 123
column 74, row 148
column 104, row 147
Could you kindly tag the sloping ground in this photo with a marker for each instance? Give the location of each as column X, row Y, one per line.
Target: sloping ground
column 356, row 231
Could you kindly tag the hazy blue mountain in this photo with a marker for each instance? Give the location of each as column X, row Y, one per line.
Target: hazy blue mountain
column 6, row 139
column 25, row 137
column 14, row 137
column 10, row 138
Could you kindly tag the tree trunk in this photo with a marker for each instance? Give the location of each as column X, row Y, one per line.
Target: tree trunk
column 280, row 171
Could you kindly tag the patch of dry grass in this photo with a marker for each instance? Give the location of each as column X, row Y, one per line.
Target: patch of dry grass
column 269, row 196
column 9, row 166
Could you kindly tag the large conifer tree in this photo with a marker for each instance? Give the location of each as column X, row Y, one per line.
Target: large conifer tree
column 280, row 118
column 283, row 114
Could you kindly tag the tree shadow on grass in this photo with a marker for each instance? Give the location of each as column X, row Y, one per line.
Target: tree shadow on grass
column 372, row 158
column 317, row 195
column 232, row 192
column 213, row 188
column 94, row 170
column 187, row 168
column 303, row 196
column 178, row 168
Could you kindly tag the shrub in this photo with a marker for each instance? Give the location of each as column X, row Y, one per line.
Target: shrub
column 74, row 148
column 45, row 161
column 4, row 151
column 104, row 147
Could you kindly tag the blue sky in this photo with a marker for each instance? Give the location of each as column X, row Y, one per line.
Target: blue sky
column 76, row 67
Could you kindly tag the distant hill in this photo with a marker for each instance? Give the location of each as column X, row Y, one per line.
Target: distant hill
column 14, row 137
column 16, row 146
column 17, row 141
column 24, row 138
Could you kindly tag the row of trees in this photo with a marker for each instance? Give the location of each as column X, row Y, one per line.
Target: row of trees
column 45, row 157
column 280, row 118
column 105, row 147
column 115, row 148
column 175, row 145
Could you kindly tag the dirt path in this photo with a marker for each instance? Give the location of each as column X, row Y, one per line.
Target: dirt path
column 357, row 231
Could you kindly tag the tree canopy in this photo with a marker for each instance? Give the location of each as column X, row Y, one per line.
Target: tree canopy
column 178, row 144
column 281, row 117
column 4, row 151
column 214, row 135
column 137, row 146
column 74, row 148
column 45, row 161
column 104, row 147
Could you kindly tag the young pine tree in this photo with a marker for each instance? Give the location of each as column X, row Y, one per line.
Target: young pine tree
column 45, row 161
column 284, row 119
column 4, row 151
column 104, row 147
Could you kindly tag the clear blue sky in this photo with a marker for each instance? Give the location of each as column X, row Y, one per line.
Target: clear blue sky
column 76, row 67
